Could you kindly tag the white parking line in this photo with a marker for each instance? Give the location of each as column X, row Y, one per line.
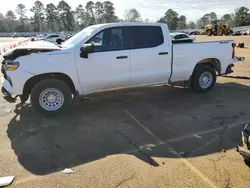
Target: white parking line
column 185, row 161
column 192, row 135
column 145, row 128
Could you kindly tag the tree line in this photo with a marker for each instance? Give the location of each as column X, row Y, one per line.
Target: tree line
column 59, row 17
column 241, row 17
column 62, row 17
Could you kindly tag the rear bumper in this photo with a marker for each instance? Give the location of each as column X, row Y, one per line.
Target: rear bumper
column 235, row 60
column 229, row 69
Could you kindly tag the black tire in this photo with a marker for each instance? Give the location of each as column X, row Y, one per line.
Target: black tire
column 59, row 41
column 54, row 84
column 195, row 79
column 209, row 32
column 220, row 32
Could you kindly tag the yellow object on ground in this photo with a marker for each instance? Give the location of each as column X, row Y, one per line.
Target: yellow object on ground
column 217, row 28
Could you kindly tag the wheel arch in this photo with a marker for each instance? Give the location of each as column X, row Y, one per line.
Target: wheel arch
column 31, row 82
column 212, row 62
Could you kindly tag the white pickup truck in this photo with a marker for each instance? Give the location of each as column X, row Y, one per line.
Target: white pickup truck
column 110, row 57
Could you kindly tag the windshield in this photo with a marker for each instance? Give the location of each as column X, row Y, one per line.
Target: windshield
column 78, row 37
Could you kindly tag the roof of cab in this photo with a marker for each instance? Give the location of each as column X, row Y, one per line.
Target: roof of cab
column 130, row 24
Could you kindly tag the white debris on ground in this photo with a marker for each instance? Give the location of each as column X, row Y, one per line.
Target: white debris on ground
column 67, row 171
column 7, row 180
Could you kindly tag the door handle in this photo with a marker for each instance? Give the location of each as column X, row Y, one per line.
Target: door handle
column 121, row 57
column 163, row 53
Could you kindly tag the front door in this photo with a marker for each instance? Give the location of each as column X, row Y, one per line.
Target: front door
column 108, row 67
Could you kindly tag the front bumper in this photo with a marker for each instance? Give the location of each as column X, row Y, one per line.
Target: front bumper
column 7, row 91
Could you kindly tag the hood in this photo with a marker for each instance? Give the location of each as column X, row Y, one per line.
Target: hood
column 29, row 48
column 39, row 45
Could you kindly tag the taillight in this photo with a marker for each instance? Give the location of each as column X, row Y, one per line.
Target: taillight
column 233, row 53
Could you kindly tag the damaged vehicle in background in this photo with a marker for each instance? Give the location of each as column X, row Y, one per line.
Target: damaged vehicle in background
column 182, row 38
column 54, row 38
column 245, row 150
column 194, row 33
column 110, row 57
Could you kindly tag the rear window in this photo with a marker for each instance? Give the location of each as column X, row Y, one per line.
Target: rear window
column 146, row 36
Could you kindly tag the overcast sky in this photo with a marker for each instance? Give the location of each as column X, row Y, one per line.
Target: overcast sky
column 152, row 9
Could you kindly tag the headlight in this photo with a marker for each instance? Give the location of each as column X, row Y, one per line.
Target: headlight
column 10, row 66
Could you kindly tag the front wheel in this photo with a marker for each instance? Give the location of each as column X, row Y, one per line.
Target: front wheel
column 50, row 97
column 209, row 32
column 203, row 79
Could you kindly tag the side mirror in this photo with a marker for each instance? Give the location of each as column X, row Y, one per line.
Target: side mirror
column 86, row 49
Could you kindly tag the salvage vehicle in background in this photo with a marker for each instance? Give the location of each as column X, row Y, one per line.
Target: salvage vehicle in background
column 194, row 33
column 14, row 35
column 181, row 38
column 217, row 28
column 110, row 57
column 245, row 32
column 54, row 38
column 237, row 33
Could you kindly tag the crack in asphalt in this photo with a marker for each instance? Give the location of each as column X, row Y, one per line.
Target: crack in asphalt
column 137, row 147
column 225, row 123
column 215, row 167
column 221, row 141
column 125, row 180
column 228, row 180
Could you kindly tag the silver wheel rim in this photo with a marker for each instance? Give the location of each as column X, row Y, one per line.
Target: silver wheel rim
column 51, row 99
column 206, row 80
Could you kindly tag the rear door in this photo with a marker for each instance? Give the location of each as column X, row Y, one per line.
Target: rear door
column 149, row 55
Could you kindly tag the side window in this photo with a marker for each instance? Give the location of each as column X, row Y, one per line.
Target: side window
column 108, row 40
column 178, row 37
column 146, row 36
column 184, row 36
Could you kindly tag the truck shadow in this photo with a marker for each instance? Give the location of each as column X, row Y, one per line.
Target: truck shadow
column 120, row 122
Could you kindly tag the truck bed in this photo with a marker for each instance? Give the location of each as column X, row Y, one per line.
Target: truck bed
column 187, row 55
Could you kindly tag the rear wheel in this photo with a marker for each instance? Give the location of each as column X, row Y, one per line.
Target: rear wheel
column 203, row 79
column 50, row 97
column 220, row 32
